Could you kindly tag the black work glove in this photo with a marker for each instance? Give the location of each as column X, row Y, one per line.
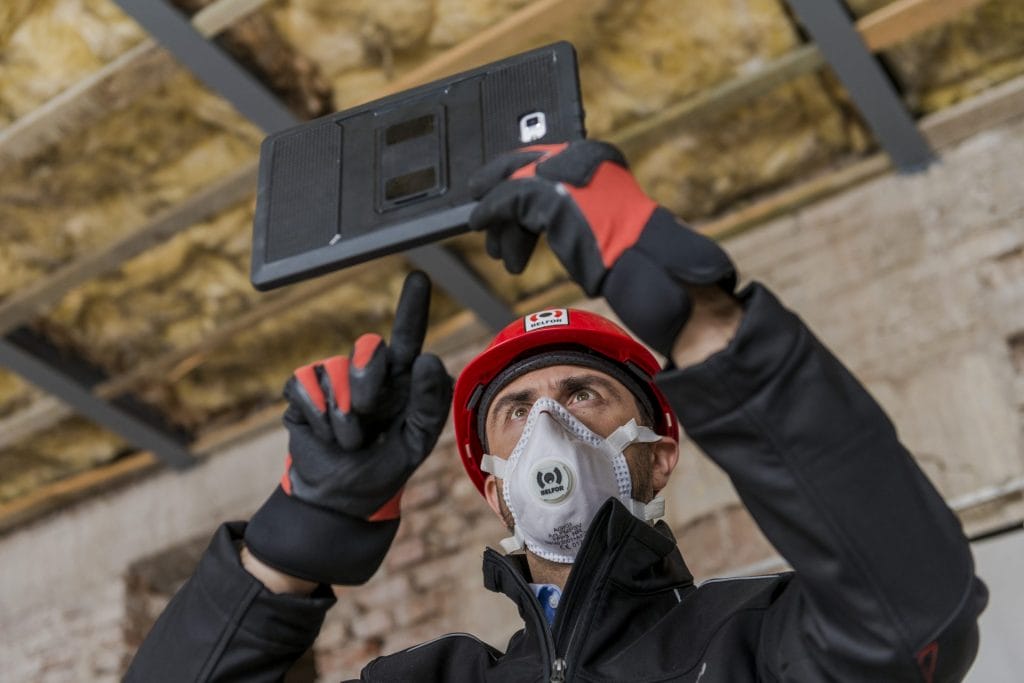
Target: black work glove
column 613, row 239
column 358, row 428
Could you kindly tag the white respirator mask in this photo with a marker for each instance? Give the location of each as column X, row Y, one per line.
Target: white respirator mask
column 559, row 474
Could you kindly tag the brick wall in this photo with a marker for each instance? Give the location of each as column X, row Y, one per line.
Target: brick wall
column 917, row 282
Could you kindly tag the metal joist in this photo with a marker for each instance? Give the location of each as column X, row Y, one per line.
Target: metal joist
column 254, row 101
column 71, row 380
column 829, row 24
column 210, row 63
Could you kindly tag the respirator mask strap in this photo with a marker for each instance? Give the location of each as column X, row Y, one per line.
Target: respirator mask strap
column 499, row 467
column 492, row 464
column 648, row 512
column 629, row 434
column 623, row 437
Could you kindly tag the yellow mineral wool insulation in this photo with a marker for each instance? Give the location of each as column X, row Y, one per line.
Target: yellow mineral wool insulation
column 979, row 48
column 400, row 24
column 78, row 443
column 58, row 43
column 13, row 13
column 334, row 43
column 251, row 368
column 360, row 47
column 166, row 298
column 72, row 446
column 656, row 52
column 457, row 20
column 21, row 473
column 113, row 177
column 14, row 393
column 779, row 136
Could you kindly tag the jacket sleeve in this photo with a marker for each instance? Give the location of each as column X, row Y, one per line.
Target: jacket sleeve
column 885, row 586
column 223, row 625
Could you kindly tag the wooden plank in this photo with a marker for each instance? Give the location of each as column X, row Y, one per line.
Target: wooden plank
column 904, row 19
column 140, row 70
column 789, row 199
column 32, row 299
column 991, row 108
column 509, row 36
column 719, row 99
column 54, row 495
column 220, row 15
column 44, row 411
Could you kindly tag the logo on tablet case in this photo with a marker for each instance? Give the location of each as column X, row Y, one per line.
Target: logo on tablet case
column 549, row 318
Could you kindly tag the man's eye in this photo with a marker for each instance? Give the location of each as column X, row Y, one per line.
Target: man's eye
column 582, row 395
column 518, row 413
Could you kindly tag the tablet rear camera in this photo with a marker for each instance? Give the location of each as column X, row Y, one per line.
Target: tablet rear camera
column 532, row 126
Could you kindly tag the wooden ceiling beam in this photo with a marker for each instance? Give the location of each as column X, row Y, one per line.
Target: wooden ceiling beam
column 512, row 34
column 903, row 19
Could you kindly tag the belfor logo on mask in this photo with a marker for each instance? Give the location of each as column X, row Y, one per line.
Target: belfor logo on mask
column 554, row 481
column 559, row 474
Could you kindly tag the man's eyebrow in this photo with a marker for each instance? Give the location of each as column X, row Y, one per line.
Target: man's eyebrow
column 568, row 385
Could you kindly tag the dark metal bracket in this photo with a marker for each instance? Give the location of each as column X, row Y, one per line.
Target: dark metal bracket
column 828, row 22
column 71, row 380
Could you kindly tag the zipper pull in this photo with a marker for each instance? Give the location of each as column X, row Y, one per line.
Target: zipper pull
column 558, row 668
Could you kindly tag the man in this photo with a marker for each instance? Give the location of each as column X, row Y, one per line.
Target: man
column 569, row 429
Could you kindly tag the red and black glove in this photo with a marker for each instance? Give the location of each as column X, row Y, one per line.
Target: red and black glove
column 612, row 238
column 358, row 428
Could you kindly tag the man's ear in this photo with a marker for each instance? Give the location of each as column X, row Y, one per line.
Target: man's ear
column 492, row 492
column 666, row 456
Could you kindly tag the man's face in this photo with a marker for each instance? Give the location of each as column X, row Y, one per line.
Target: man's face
column 596, row 399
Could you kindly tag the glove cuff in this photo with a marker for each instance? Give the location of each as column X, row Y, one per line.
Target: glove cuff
column 688, row 255
column 317, row 544
column 646, row 286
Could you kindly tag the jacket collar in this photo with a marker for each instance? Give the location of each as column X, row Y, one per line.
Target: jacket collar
column 638, row 557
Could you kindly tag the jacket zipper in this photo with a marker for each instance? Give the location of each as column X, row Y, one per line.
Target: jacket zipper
column 559, row 664
column 556, row 665
column 558, row 668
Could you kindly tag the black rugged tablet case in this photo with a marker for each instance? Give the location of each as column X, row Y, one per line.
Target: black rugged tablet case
column 391, row 174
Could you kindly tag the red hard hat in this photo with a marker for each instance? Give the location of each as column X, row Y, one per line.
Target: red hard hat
column 555, row 329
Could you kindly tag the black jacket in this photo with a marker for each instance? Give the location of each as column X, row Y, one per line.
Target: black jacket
column 883, row 587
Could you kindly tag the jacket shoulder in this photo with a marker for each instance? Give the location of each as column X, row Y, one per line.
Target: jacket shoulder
column 451, row 657
column 727, row 594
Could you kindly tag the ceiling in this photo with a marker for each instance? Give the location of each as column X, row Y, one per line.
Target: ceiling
column 129, row 138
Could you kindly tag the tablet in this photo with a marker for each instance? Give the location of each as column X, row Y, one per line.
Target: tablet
column 392, row 174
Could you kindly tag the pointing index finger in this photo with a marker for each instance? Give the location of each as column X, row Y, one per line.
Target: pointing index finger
column 410, row 326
